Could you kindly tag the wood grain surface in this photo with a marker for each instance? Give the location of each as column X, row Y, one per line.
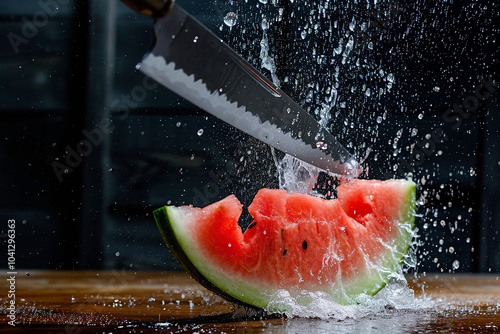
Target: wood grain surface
column 172, row 302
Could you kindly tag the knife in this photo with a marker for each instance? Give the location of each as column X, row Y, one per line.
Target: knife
column 194, row 63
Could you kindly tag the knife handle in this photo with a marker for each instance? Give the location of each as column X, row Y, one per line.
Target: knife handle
column 154, row 8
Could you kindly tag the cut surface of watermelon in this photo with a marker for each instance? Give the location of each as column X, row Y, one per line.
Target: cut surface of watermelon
column 345, row 247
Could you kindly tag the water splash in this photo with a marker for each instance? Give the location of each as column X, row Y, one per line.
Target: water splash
column 294, row 175
column 337, row 74
column 267, row 61
column 320, row 305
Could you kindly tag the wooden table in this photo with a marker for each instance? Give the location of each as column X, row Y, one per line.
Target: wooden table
column 171, row 302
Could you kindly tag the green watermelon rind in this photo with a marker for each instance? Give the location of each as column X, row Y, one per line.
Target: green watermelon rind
column 183, row 248
column 172, row 222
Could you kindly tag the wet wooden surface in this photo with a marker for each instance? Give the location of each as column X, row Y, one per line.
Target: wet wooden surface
column 171, row 302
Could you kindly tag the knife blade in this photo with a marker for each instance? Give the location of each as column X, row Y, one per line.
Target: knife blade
column 194, row 63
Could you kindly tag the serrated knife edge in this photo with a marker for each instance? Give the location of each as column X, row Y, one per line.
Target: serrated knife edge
column 197, row 92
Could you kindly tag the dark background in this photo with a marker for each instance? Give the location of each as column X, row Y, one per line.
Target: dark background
column 76, row 69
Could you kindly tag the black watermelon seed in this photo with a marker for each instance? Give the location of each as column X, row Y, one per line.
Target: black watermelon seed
column 304, row 245
column 284, row 252
column 252, row 224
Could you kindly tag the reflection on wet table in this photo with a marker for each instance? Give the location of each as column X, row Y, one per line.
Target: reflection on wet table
column 172, row 302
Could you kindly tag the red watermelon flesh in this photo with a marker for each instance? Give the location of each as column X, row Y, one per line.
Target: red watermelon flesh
column 345, row 247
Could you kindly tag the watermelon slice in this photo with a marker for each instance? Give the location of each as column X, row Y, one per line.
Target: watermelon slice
column 345, row 247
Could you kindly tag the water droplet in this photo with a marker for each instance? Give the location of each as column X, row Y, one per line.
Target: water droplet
column 178, row 124
column 352, row 25
column 230, row 19
column 437, row 89
column 229, row 245
column 309, row 96
column 117, row 254
column 263, row 1
column 379, row 119
column 456, row 264
column 200, row 132
column 338, row 50
column 264, row 24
